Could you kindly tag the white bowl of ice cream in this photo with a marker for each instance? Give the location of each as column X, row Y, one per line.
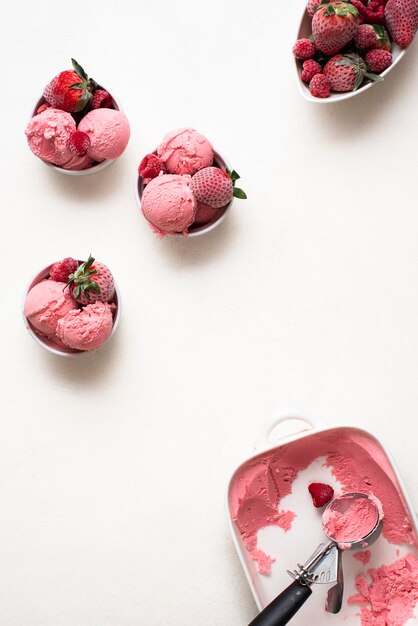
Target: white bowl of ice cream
column 63, row 326
column 167, row 197
column 78, row 142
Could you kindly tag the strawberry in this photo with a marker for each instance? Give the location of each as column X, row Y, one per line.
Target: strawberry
column 347, row 71
column 91, row 282
column 402, row 20
column 151, row 166
column 320, row 86
column 70, row 90
column 215, row 187
column 312, row 6
column 378, row 60
column 101, row 99
column 372, row 36
column 321, row 494
column 304, row 49
column 78, row 143
column 334, row 25
column 309, row 69
column 61, row 270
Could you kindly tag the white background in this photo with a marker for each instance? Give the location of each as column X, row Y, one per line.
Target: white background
column 113, row 466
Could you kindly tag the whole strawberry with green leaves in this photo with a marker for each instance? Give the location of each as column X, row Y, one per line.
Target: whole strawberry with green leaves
column 370, row 36
column 70, row 90
column 92, row 282
column 334, row 24
column 346, row 72
column 215, row 187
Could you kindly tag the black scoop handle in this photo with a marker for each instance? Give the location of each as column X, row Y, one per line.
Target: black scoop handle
column 284, row 607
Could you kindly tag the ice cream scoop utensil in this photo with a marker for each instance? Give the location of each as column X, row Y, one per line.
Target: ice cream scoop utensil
column 324, row 566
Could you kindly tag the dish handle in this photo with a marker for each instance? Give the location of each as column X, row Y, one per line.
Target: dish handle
column 307, row 423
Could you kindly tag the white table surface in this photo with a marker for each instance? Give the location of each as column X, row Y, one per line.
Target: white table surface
column 113, row 467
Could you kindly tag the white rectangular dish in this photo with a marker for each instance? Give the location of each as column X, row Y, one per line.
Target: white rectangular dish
column 283, row 545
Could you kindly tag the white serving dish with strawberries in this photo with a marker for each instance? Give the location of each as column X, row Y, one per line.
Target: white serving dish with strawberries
column 305, row 30
column 295, row 546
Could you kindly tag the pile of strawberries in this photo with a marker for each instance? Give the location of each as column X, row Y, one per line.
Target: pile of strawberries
column 352, row 42
column 73, row 91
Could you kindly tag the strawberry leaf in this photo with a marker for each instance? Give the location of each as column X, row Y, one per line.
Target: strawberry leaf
column 239, row 193
column 234, row 176
column 374, row 77
column 77, row 67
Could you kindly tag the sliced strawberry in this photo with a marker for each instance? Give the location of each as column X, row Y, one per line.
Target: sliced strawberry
column 321, row 494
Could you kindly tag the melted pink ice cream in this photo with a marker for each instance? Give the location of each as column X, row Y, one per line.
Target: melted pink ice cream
column 45, row 304
column 363, row 556
column 47, row 135
column 109, row 133
column 185, row 151
column 87, row 328
column 392, row 594
column 168, row 204
column 355, row 459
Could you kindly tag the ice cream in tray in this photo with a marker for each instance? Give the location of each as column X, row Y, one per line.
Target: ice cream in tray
column 325, row 515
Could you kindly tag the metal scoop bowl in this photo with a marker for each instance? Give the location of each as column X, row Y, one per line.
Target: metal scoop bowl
column 325, row 564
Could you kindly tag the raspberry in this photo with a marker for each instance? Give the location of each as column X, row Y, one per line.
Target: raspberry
column 304, row 49
column 375, row 13
column 321, row 494
column 310, row 68
column 61, row 270
column 101, row 99
column 78, row 143
column 43, row 108
column 151, row 166
column 378, row 60
column 360, row 8
column 320, row 87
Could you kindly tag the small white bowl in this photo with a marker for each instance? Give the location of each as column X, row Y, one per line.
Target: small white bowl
column 89, row 170
column 202, row 229
column 305, row 30
column 49, row 344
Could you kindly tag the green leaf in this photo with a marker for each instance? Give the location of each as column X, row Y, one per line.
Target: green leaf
column 76, row 86
column 88, row 263
column 329, row 10
column 239, row 193
column 234, row 176
column 77, row 67
column 359, row 80
column 374, row 77
column 83, row 101
column 352, row 9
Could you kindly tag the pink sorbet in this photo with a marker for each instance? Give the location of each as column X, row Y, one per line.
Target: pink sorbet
column 45, row 304
column 185, row 151
column 109, row 133
column 350, row 518
column 87, row 328
column 391, row 596
column 47, row 135
column 168, row 204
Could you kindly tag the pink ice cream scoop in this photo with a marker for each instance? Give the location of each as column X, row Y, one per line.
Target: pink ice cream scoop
column 48, row 134
column 108, row 131
column 350, row 518
column 88, row 328
column 169, row 205
column 185, row 151
column 45, row 304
